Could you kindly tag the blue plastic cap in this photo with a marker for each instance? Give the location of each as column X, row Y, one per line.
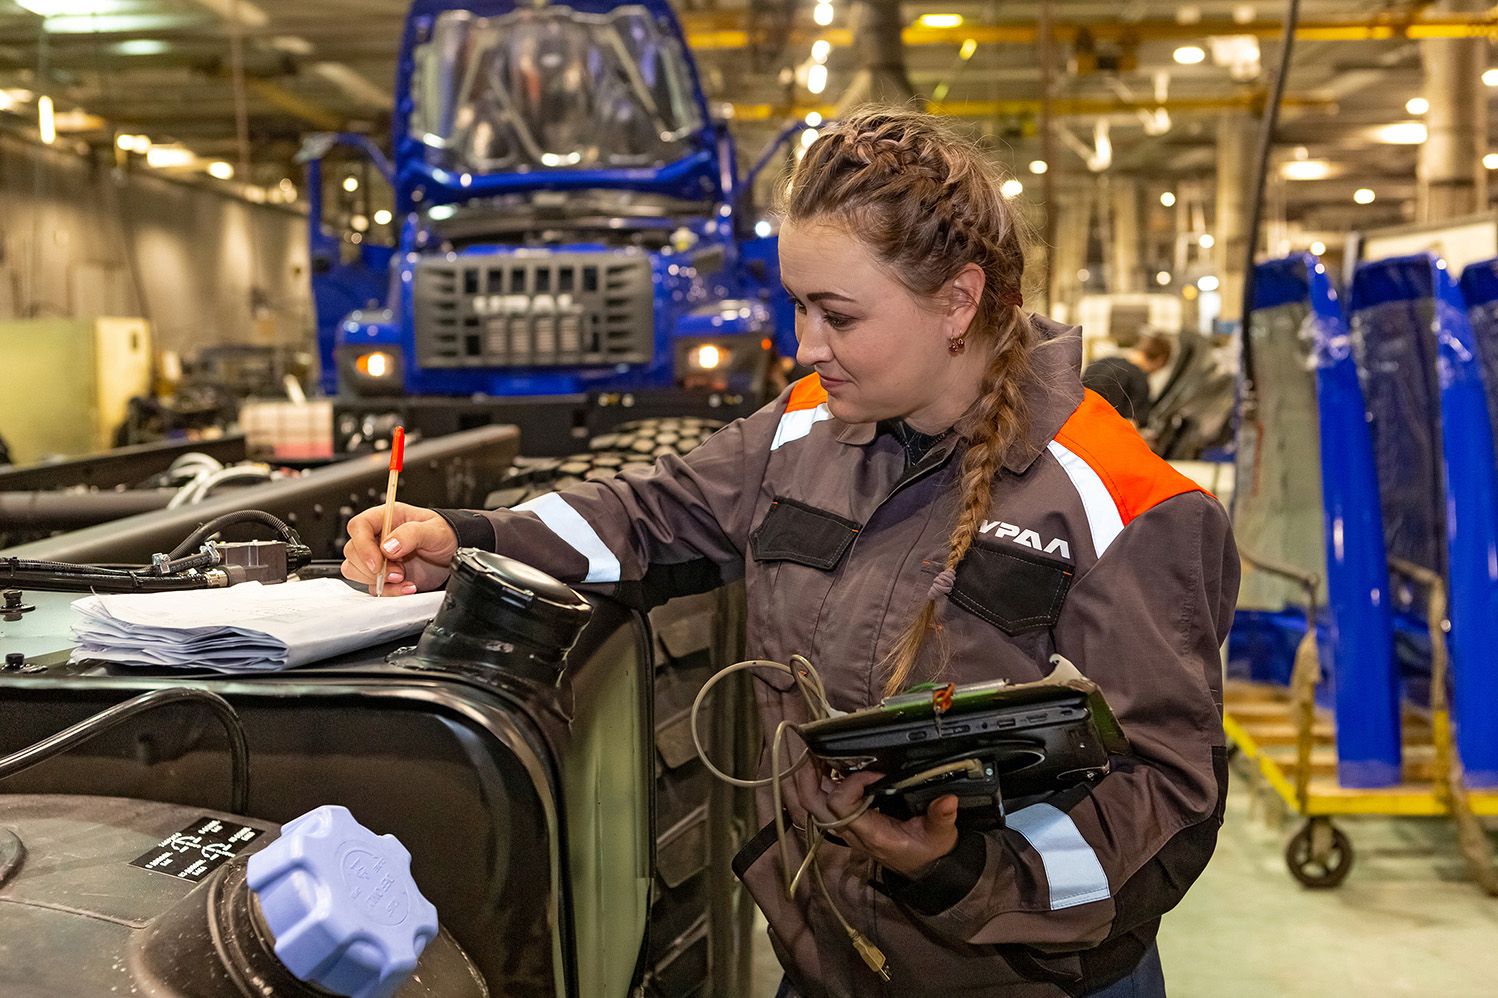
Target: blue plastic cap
column 341, row 903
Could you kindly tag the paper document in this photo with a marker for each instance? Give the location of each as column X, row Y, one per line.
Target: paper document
column 244, row 628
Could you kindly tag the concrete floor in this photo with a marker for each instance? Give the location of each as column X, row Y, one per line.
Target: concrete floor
column 1406, row 922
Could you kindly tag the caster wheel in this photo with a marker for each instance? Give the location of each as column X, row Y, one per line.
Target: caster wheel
column 1319, row 854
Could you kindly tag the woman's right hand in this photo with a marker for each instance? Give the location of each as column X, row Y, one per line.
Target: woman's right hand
column 420, row 549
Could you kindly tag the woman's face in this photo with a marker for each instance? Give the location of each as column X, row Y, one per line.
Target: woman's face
column 881, row 353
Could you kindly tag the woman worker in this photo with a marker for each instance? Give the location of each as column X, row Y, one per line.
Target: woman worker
column 939, row 500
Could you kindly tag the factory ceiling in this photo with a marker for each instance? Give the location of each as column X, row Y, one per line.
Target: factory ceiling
column 235, row 84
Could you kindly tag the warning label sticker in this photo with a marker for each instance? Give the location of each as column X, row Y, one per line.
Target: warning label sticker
column 198, row 849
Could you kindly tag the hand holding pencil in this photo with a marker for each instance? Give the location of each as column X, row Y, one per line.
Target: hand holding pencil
column 397, row 549
column 397, row 460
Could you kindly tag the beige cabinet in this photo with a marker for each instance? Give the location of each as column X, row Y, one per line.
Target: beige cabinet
column 65, row 383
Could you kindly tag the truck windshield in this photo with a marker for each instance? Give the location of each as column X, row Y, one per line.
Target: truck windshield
column 551, row 89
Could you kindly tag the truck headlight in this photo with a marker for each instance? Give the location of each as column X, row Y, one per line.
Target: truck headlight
column 708, row 357
column 375, row 364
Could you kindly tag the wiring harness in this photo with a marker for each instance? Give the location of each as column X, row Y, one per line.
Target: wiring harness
column 199, row 562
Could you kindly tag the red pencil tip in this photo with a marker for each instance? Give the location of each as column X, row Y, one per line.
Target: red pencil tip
column 398, row 449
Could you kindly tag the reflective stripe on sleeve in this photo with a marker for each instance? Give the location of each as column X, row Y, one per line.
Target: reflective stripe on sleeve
column 568, row 524
column 1071, row 867
column 798, row 423
column 1103, row 518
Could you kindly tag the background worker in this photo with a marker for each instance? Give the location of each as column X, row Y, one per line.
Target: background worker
column 1124, row 380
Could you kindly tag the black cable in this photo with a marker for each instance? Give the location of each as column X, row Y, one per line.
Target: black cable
column 62, row 577
column 86, row 729
column 1256, row 211
column 197, row 537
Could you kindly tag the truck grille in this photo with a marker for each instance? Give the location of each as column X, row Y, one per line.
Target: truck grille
column 556, row 310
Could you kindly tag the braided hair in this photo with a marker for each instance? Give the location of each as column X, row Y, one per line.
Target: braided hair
column 925, row 201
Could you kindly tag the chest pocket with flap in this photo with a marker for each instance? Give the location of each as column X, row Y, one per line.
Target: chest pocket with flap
column 1014, row 590
column 795, row 532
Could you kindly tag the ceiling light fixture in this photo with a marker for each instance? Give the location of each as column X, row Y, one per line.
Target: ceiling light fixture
column 1206, row 240
column 820, row 50
column 383, row 216
column 1306, row 169
column 816, row 78
column 969, row 46
column 813, row 119
column 1490, row 77
column 351, row 183
column 1318, row 248
column 940, row 20
column 169, row 157
column 1011, row 188
column 1363, row 195
column 1190, row 55
column 1401, row 133
column 822, row 13
column 221, row 170
column 1168, row 199
column 1208, row 282
column 46, row 121
column 1490, row 161
column 1163, row 278
column 1417, row 105
column 1038, row 166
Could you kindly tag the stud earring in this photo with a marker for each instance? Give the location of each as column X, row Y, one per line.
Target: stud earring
column 956, row 345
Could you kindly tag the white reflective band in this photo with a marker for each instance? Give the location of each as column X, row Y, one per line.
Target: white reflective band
column 568, row 524
column 795, row 425
column 1102, row 512
column 1071, row 867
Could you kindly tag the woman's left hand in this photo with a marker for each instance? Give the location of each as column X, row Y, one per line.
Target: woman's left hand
column 907, row 847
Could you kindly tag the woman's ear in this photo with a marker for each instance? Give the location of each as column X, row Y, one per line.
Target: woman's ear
column 964, row 290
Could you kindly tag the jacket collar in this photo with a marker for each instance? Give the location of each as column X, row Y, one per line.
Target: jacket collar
column 1053, row 391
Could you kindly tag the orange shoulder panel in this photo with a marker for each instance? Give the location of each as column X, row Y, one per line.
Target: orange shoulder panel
column 1136, row 477
column 807, row 393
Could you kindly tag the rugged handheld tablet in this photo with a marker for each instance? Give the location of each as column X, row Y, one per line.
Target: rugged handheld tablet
column 985, row 742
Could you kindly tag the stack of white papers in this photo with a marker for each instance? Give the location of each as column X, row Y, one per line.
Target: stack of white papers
column 244, row 628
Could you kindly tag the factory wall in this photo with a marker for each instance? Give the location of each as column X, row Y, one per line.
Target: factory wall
column 79, row 238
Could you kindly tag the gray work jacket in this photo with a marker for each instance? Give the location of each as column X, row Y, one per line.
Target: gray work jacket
column 1094, row 548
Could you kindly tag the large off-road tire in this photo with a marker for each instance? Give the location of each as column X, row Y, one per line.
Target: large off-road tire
column 535, row 476
column 701, row 919
column 651, row 438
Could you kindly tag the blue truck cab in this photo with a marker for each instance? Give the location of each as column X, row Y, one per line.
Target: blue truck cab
column 571, row 248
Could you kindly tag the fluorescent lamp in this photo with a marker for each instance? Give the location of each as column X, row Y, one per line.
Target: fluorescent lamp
column 940, row 20
column 816, row 78
column 46, row 121
column 141, row 46
column 1401, row 133
column 169, row 157
column 1306, row 169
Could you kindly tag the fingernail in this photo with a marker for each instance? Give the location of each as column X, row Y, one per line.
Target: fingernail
column 373, row 566
column 392, row 546
column 394, row 577
column 408, row 589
